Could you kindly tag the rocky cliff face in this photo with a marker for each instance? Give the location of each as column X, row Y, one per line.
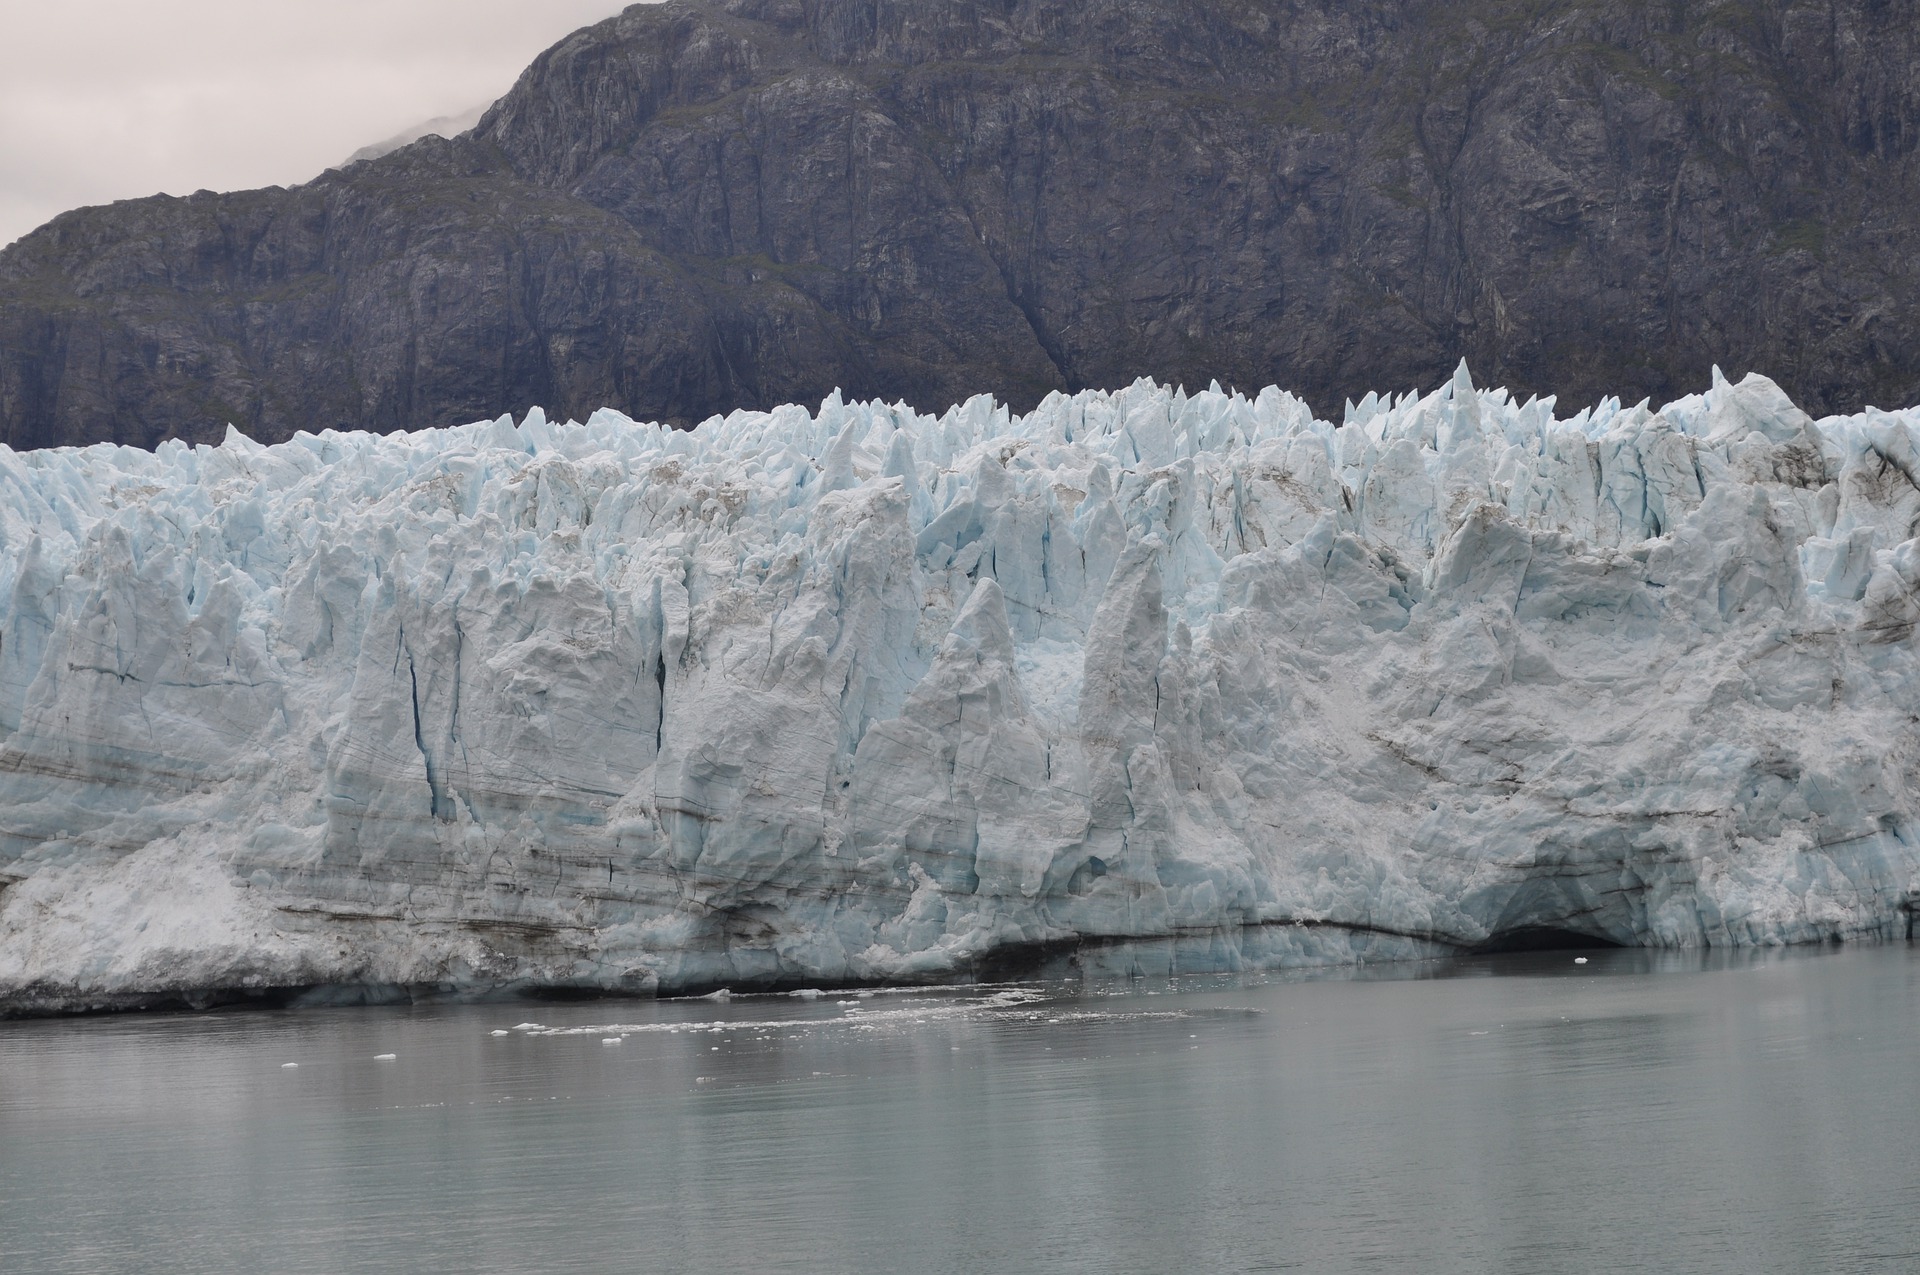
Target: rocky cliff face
column 714, row 204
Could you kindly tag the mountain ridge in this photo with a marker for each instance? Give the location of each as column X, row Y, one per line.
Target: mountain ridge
column 439, row 126
column 698, row 206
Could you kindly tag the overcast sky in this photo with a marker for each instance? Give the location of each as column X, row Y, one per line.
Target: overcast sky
column 113, row 99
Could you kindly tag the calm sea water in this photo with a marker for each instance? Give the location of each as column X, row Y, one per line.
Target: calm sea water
column 1519, row 1114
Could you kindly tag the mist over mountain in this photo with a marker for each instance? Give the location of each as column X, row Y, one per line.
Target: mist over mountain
column 715, row 204
column 439, row 126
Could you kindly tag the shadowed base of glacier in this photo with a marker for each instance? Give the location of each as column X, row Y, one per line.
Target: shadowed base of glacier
column 47, row 1002
column 1312, row 950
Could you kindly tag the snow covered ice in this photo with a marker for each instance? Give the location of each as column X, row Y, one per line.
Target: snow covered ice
column 797, row 698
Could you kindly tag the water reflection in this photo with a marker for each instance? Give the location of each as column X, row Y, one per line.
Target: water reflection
column 1700, row 1112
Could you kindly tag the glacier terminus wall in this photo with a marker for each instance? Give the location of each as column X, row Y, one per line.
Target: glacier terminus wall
column 865, row 695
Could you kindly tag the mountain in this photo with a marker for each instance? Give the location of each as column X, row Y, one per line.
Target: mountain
column 438, row 126
column 1168, row 682
column 716, row 204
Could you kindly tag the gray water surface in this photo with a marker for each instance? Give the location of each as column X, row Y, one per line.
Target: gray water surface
column 1517, row 1114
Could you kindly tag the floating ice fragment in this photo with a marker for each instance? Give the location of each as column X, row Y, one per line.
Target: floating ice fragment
column 285, row 1066
column 1579, row 960
column 611, row 1040
column 501, row 1031
column 385, row 1057
column 529, row 1027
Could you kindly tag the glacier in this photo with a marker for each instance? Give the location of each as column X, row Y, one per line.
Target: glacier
column 1162, row 680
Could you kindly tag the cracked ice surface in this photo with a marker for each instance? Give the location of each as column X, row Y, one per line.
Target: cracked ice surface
column 802, row 698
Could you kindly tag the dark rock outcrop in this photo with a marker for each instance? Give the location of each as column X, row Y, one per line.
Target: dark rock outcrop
column 712, row 204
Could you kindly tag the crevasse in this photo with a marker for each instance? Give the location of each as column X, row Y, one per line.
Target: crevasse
column 863, row 694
